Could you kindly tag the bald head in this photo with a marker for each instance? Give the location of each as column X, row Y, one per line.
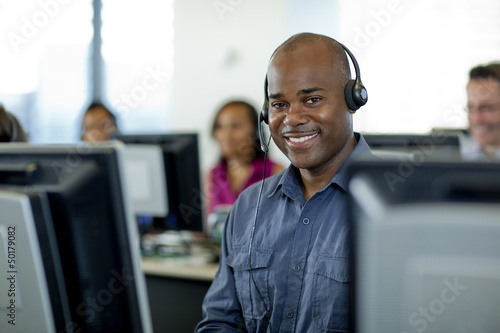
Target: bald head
column 338, row 56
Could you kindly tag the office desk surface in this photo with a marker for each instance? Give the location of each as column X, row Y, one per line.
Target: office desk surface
column 176, row 289
column 182, row 268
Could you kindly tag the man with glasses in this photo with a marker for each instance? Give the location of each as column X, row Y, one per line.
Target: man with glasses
column 483, row 106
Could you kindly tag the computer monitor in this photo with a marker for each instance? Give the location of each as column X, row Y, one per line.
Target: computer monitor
column 33, row 297
column 146, row 183
column 426, row 255
column 436, row 146
column 96, row 236
column 449, row 131
column 182, row 174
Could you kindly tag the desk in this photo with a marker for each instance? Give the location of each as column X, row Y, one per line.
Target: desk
column 176, row 288
column 182, row 269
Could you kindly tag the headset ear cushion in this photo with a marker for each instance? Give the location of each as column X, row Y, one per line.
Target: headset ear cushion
column 349, row 95
column 264, row 116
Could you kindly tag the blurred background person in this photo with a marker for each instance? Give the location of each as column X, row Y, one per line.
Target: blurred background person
column 235, row 128
column 98, row 123
column 483, row 106
column 10, row 128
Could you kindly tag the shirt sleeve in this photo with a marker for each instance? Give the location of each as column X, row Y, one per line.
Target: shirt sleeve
column 221, row 308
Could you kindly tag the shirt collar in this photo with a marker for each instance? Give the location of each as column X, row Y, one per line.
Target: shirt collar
column 474, row 152
column 289, row 181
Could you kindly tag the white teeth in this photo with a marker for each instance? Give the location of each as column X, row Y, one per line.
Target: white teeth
column 302, row 138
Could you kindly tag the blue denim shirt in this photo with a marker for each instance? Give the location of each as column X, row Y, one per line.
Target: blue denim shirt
column 299, row 259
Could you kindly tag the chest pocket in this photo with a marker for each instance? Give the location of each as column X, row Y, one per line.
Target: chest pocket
column 331, row 294
column 248, row 296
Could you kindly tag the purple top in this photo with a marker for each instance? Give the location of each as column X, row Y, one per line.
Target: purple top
column 220, row 189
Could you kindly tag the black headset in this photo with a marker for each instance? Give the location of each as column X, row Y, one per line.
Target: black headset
column 355, row 95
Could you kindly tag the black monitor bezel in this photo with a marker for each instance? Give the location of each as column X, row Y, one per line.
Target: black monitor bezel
column 435, row 146
column 182, row 171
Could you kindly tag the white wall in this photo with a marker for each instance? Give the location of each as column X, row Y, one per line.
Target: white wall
column 415, row 57
column 220, row 55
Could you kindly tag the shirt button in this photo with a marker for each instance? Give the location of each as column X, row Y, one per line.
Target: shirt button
column 305, row 221
column 289, row 314
column 296, row 268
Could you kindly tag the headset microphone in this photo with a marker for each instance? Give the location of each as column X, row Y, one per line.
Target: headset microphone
column 265, row 148
column 264, row 117
column 263, row 145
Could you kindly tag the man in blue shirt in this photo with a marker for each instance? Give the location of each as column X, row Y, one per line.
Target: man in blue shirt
column 289, row 272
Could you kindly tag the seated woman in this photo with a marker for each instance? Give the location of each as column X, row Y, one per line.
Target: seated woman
column 235, row 128
column 98, row 123
column 10, row 128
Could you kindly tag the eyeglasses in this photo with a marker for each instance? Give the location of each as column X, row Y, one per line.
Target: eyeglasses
column 483, row 109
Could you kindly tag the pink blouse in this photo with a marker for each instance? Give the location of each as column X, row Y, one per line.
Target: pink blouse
column 220, row 189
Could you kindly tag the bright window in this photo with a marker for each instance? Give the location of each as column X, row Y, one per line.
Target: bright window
column 44, row 65
column 138, row 52
column 415, row 57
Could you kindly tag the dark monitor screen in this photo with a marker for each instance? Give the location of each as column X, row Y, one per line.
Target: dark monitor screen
column 401, row 181
column 182, row 168
column 426, row 255
column 419, row 146
column 96, row 234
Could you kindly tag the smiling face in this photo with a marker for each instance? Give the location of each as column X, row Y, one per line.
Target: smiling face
column 483, row 100
column 234, row 131
column 308, row 118
column 98, row 125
